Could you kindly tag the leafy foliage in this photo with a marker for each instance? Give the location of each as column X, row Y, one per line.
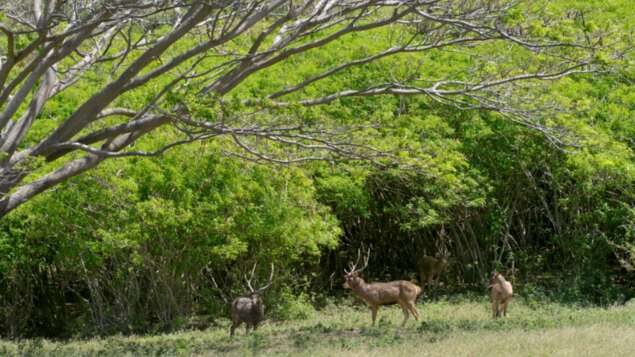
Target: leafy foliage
column 135, row 239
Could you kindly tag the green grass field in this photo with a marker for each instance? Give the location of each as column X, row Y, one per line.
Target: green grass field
column 447, row 329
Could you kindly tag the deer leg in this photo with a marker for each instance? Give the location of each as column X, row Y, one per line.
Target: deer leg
column 435, row 284
column 504, row 308
column 430, row 286
column 438, row 282
column 404, row 308
column 413, row 310
column 406, row 314
column 373, row 310
column 494, row 309
column 233, row 328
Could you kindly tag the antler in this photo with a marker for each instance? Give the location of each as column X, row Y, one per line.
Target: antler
column 366, row 258
column 442, row 244
column 263, row 288
column 353, row 267
column 251, row 277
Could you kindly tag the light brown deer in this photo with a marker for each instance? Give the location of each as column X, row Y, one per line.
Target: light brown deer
column 430, row 270
column 250, row 307
column 501, row 294
column 399, row 292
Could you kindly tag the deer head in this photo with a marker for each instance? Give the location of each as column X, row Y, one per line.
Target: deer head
column 352, row 276
column 495, row 279
column 443, row 253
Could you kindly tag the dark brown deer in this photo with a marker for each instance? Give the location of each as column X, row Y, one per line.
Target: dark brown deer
column 501, row 294
column 399, row 292
column 250, row 307
column 430, row 270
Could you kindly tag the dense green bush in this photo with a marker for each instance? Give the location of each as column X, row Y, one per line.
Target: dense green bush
column 133, row 246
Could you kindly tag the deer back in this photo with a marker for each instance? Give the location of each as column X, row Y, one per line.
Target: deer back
column 248, row 308
column 431, row 266
column 387, row 293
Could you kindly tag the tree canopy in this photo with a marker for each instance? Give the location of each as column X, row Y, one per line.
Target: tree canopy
column 83, row 81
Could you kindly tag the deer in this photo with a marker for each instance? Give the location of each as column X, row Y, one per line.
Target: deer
column 250, row 307
column 501, row 293
column 430, row 270
column 375, row 295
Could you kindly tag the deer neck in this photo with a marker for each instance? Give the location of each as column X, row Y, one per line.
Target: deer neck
column 360, row 288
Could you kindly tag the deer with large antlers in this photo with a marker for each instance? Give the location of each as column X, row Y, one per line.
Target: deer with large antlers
column 250, row 307
column 399, row 292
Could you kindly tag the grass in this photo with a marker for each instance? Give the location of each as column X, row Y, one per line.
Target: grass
column 447, row 329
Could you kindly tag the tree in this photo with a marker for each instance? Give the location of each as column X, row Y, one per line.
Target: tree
column 188, row 57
